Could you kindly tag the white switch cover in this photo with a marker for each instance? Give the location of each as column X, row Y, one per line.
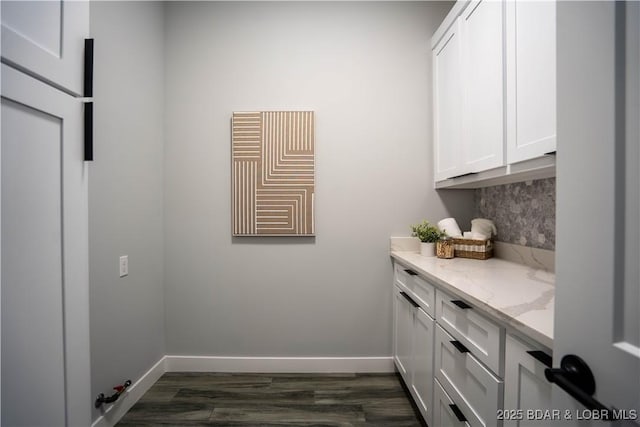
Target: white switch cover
column 124, row 265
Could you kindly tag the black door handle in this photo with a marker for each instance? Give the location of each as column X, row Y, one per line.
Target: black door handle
column 463, row 175
column 461, row 304
column 541, row 357
column 458, row 413
column 88, row 93
column 410, row 272
column 88, row 131
column 459, row 346
column 88, row 68
column 408, row 298
column 575, row 377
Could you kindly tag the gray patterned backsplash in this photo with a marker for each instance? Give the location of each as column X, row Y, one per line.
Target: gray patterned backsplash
column 524, row 212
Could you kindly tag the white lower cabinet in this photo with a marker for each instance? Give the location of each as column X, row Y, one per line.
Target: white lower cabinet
column 413, row 349
column 422, row 379
column 476, row 390
column 453, row 363
column 445, row 411
column 483, row 337
column 403, row 331
column 526, row 388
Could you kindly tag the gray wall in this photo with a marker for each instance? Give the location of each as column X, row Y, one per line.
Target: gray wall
column 365, row 69
column 126, row 192
column 524, row 212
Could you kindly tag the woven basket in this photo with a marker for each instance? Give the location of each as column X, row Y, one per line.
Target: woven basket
column 474, row 249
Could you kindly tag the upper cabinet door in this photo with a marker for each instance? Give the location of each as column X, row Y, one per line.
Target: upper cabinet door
column 447, row 105
column 483, row 112
column 531, row 79
column 46, row 39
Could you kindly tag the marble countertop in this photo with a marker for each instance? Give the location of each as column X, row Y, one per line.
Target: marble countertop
column 520, row 296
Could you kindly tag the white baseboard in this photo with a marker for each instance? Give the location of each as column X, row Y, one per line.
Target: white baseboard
column 278, row 364
column 116, row 411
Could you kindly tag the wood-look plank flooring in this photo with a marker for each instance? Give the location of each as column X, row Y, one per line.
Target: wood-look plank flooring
column 221, row 399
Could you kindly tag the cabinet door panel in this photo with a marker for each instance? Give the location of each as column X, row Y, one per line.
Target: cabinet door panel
column 447, row 105
column 422, row 383
column 531, row 79
column 526, row 387
column 30, row 138
column 45, row 293
column 482, row 112
column 46, row 39
column 403, row 335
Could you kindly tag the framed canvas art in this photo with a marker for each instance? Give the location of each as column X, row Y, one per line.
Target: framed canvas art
column 273, row 173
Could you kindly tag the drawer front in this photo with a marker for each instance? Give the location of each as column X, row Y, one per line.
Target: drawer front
column 475, row 389
column 443, row 413
column 425, row 294
column 483, row 337
column 422, row 291
column 400, row 274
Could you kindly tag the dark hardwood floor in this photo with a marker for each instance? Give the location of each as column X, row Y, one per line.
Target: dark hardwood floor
column 217, row 399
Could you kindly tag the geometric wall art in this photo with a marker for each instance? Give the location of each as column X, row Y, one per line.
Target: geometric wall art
column 273, row 173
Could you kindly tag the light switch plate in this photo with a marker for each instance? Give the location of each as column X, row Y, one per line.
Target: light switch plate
column 124, row 265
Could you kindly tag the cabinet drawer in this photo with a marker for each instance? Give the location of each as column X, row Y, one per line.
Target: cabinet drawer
column 475, row 389
column 423, row 291
column 484, row 338
column 443, row 409
column 400, row 274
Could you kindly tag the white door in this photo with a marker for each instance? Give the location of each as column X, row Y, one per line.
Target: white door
column 482, row 106
column 447, row 105
column 598, row 213
column 45, row 303
column 403, row 334
column 46, row 39
column 531, row 79
column 422, row 382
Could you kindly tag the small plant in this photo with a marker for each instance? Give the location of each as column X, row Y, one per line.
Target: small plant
column 426, row 232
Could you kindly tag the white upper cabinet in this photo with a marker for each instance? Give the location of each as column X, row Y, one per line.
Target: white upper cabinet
column 468, row 92
column 448, row 105
column 482, row 82
column 494, row 93
column 531, row 79
column 46, row 39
